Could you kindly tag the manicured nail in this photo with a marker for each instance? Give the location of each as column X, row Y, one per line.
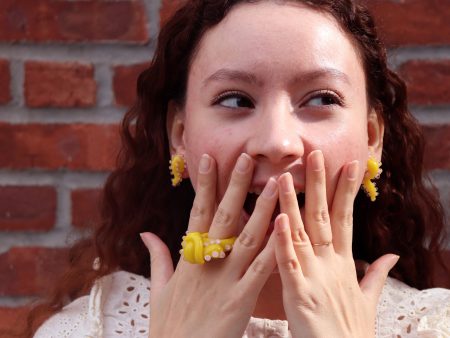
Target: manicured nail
column 394, row 259
column 270, row 188
column 146, row 241
column 352, row 170
column 316, row 160
column 205, row 164
column 243, row 163
column 281, row 223
column 286, row 182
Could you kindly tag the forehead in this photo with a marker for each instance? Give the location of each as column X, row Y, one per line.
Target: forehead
column 276, row 40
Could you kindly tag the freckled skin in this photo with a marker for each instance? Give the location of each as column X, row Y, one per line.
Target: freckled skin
column 277, row 44
column 276, row 133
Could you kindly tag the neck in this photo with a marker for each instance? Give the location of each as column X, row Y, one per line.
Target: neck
column 270, row 301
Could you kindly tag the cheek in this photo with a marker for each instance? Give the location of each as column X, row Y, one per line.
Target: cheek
column 338, row 153
column 220, row 147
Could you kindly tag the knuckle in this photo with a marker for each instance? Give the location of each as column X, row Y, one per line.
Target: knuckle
column 345, row 218
column 321, row 217
column 198, row 210
column 300, row 245
column 223, row 217
column 259, row 267
column 290, row 265
column 246, row 239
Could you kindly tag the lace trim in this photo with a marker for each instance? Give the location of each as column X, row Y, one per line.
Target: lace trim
column 118, row 306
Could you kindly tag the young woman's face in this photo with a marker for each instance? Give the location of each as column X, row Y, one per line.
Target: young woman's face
column 275, row 81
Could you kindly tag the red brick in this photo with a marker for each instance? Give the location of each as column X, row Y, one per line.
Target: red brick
column 27, row 208
column 86, row 207
column 124, row 82
column 5, row 80
column 55, row 146
column 168, row 8
column 437, row 147
column 70, row 21
column 12, row 319
column 412, row 22
column 428, row 81
column 49, row 84
column 29, row 271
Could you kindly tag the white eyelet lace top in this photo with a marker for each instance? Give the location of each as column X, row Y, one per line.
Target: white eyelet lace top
column 118, row 306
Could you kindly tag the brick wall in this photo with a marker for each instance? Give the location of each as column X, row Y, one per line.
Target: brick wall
column 67, row 74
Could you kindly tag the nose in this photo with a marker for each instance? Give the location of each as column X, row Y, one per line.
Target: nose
column 276, row 136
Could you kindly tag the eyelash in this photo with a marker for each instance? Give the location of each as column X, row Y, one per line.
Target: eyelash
column 229, row 95
column 321, row 94
column 327, row 93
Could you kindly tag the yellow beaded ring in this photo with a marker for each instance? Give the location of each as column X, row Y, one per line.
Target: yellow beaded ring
column 198, row 248
column 373, row 172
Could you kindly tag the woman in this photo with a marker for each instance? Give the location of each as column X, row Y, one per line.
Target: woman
column 276, row 108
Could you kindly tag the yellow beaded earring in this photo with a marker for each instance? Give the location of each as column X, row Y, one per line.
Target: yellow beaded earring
column 177, row 167
column 373, row 172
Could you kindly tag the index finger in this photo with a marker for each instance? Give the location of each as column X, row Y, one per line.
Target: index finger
column 228, row 213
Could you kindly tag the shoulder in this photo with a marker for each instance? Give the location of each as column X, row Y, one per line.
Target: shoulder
column 117, row 306
column 408, row 312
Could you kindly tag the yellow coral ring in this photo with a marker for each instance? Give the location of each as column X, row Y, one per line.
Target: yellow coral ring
column 198, row 248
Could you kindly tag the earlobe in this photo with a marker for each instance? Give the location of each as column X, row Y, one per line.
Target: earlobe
column 175, row 129
column 375, row 133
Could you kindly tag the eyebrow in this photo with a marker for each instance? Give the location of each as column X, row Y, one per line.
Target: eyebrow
column 238, row 75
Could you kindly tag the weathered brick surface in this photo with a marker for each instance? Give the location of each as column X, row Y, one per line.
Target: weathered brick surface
column 124, row 82
column 437, row 147
column 50, row 84
column 66, row 59
column 58, row 146
column 27, row 208
column 86, row 207
column 5, row 80
column 29, row 271
column 72, row 21
column 428, row 81
column 12, row 319
column 412, row 22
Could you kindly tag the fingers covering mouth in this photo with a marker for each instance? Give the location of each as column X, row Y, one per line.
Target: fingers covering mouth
column 250, row 203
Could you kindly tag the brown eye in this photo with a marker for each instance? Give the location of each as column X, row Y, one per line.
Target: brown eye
column 234, row 100
column 324, row 99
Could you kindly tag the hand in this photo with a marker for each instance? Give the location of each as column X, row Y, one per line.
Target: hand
column 215, row 299
column 321, row 295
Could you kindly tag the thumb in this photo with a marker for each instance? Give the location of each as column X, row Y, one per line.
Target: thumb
column 372, row 283
column 161, row 266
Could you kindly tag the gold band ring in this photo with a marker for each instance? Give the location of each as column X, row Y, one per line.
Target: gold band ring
column 321, row 244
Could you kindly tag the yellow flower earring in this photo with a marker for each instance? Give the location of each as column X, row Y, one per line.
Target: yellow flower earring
column 177, row 167
column 373, row 172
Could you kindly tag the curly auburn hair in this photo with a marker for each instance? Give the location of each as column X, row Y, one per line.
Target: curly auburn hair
column 406, row 219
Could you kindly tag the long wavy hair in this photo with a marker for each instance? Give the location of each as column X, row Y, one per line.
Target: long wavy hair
column 406, row 219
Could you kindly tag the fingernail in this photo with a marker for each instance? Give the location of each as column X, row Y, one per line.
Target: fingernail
column 394, row 260
column 352, row 170
column 270, row 188
column 286, row 182
column 243, row 163
column 281, row 223
column 146, row 242
column 205, row 164
column 316, row 160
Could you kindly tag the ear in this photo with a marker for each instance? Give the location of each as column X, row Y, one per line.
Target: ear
column 175, row 129
column 375, row 133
